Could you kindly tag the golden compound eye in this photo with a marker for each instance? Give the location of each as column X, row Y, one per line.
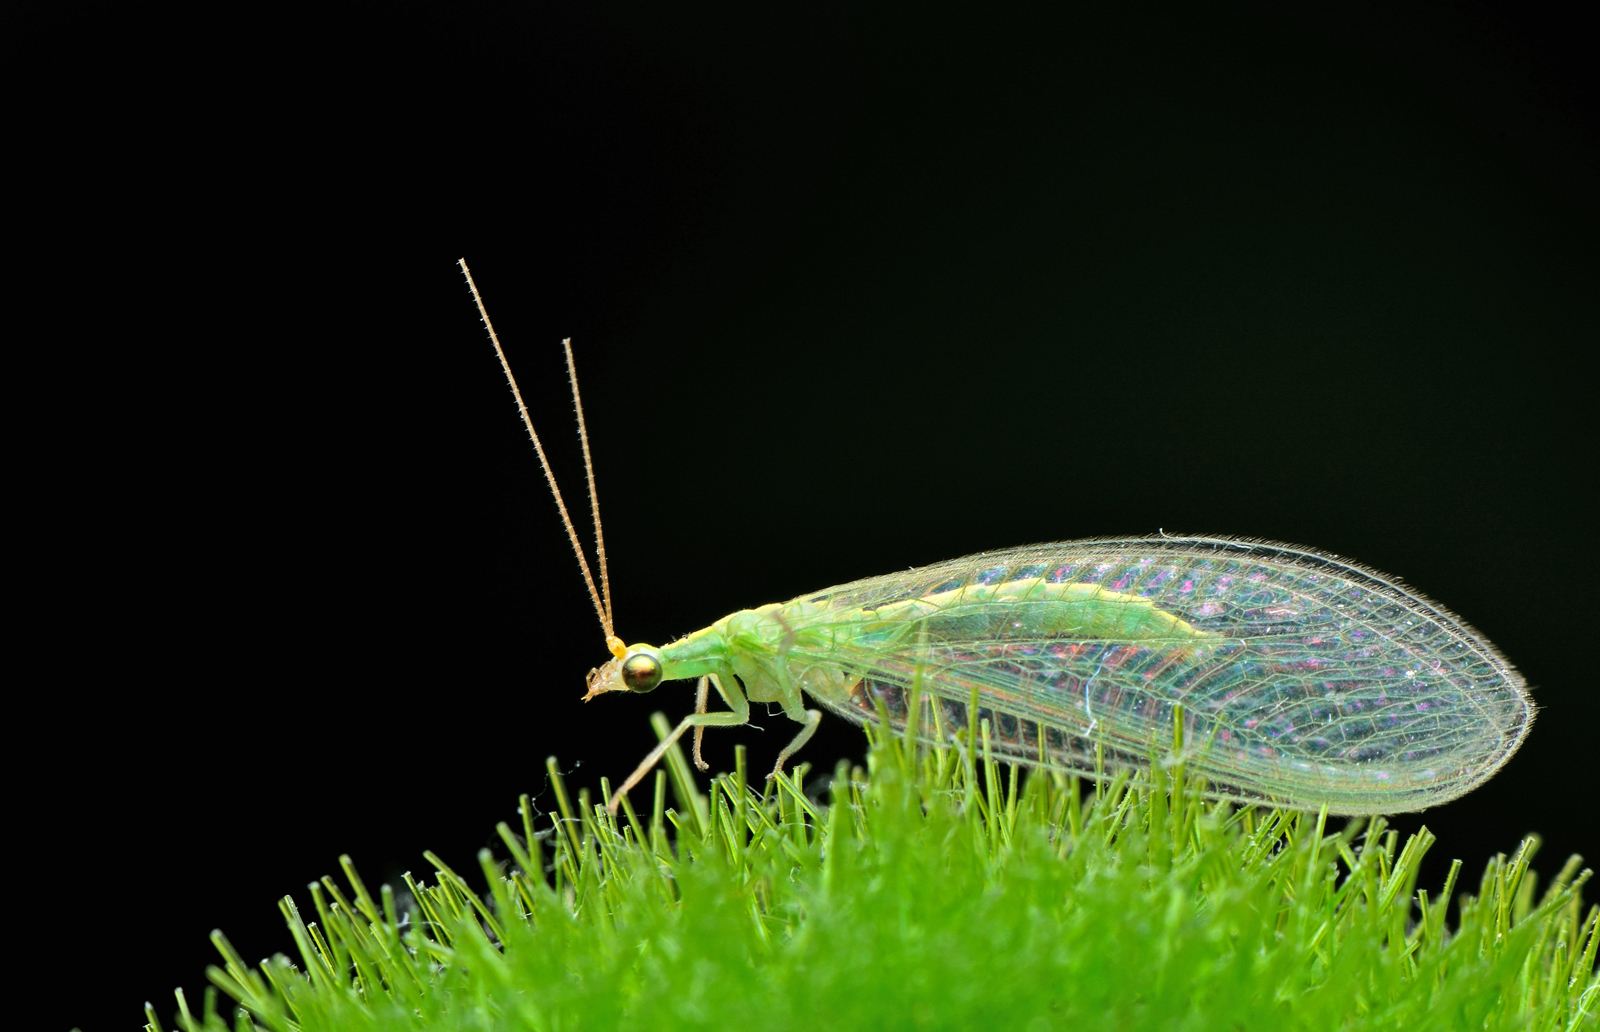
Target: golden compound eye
column 641, row 672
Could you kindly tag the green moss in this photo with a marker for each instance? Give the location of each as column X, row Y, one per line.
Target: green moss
column 930, row 890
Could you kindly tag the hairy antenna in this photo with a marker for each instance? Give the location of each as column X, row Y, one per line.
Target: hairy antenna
column 601, row 604
column 594, row 499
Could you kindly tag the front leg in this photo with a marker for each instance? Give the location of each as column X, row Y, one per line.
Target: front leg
column 701, row 697
column 729, row 689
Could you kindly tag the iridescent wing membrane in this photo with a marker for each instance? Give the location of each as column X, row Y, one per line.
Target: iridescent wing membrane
column 1303, row 679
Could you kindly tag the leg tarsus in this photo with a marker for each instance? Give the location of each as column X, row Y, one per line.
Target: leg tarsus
column 809, row 718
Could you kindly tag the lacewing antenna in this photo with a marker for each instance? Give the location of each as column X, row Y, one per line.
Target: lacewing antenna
column 594, row 499
column 601, row 597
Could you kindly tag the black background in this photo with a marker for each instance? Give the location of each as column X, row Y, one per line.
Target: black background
column 851, row 292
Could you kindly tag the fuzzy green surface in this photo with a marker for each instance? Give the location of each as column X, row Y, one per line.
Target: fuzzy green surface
column 931, row 891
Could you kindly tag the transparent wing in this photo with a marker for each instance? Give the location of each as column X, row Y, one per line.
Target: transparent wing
column 1303, row 678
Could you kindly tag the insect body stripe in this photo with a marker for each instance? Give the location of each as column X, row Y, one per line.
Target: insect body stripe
column 1052, row 609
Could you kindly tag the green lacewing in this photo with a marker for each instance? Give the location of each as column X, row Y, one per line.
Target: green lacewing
column 1293, row 677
